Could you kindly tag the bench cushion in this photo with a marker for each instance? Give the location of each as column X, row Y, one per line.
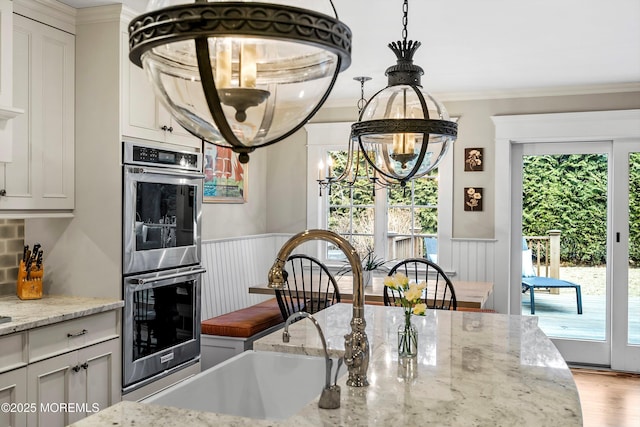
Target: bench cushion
column 245, row 322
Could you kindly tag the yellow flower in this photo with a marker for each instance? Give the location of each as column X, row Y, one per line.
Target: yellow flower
column 390, row 282
column 410, row 293
column 419, row 309
column 414, row 293
column 401, row 280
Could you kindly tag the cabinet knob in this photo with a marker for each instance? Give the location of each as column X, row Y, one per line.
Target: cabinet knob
column 77, row 368
column 167, row 128
column 3, row 192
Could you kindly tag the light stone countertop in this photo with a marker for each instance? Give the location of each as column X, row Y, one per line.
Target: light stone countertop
column 473, row 369
column 28, row 314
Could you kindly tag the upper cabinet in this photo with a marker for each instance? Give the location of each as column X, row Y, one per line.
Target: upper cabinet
column 8, row 111
column 41, row 173
column 143, row 116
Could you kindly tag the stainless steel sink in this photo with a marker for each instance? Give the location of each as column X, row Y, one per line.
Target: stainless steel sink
column 5, row 319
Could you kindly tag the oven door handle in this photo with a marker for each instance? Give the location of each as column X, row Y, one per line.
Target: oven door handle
column 167, row 276
column 167, row 172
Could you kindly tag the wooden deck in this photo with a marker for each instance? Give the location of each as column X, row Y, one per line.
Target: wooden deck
column 557, row 316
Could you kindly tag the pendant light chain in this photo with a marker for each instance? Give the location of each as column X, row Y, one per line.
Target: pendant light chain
column 405, row 20
column 361, row 102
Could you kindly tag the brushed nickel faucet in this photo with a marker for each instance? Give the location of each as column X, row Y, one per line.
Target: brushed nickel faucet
column 330, row 397
column 356, row 343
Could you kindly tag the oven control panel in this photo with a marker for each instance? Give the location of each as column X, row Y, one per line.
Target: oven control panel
column 140, row 154
column 172, row 158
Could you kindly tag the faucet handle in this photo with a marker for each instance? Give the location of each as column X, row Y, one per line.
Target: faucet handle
column 335, row 379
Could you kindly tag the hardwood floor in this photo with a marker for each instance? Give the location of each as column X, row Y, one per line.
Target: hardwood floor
column 608, row 399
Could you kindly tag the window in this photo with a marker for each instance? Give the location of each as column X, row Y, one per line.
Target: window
column 396, row 223
column 412, row 218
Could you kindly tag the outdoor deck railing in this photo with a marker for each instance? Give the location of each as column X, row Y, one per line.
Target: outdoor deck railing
column 546, row 252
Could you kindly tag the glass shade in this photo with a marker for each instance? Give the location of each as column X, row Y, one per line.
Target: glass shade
column 404, row 132
column 240, row 74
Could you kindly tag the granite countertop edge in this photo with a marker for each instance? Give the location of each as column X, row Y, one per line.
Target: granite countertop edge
column 50, row 309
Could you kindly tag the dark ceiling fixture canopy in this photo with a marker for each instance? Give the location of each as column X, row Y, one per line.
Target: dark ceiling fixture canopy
column 403, row 131
column 240, row 74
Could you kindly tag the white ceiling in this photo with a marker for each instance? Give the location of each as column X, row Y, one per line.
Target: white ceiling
column 491, row 48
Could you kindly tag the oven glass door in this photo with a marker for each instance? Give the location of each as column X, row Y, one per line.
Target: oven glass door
column 162, row 322
column 161, row 219
column 162, row 317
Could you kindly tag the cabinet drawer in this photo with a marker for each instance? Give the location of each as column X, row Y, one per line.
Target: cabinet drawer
column 13, row 352
column 72, row 334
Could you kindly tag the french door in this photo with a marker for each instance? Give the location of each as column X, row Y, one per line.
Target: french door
column 625, row 354
column 607, row 333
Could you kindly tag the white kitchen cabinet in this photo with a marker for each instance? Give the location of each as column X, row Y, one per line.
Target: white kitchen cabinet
column 41, row 174
column 58, row 373
column 82, row 379
column 13, row 392
column 143, row 116
column 7, row 110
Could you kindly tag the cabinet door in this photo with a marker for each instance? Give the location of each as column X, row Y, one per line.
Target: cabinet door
column 13, row 391
column 41, row 175
column 6, row 73
column 50, row 383
column 86, row 380
column 143, row 116
column 102, row 385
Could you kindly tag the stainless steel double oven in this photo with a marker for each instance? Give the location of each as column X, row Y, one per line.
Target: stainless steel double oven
column 161, row 261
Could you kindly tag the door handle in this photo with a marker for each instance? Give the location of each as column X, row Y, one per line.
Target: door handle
column 84, row 331
column 167, row 276
column 167, row 172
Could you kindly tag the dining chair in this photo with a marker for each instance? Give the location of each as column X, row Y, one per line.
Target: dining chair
column 308, row 286
column 439, row 293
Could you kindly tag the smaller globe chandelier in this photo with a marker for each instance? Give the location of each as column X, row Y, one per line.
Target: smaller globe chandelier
column 355, row 167
column 239, row 74
column 404, row 132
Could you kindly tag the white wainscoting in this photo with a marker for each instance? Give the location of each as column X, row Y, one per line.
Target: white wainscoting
column 234, row 264
column 473, row 259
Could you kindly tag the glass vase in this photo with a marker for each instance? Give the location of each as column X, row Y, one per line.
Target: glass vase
column 407, row 339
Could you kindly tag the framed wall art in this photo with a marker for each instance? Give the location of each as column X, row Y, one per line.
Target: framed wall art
column 225, row 178
column 473, row 199
column 473, row 159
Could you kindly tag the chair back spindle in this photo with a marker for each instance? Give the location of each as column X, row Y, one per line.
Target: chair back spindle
column 309, row 286
column 439, row 293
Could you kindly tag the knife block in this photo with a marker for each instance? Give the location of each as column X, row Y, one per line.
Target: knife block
column 31, row 288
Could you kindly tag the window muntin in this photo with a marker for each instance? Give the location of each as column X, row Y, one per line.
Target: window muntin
column 411, row 214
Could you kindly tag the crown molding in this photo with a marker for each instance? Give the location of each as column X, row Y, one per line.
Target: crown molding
column 516, row 93
column 48, row 12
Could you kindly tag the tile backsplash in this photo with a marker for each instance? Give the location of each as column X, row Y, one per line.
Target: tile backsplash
column 11, row 246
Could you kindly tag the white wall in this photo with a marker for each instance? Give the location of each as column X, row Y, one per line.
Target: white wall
column 287, row 163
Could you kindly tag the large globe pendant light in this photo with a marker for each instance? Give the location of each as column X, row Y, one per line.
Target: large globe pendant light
column 403, row 131
column 239, row 74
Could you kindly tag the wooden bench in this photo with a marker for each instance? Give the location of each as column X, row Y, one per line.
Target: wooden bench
column 230, row 334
